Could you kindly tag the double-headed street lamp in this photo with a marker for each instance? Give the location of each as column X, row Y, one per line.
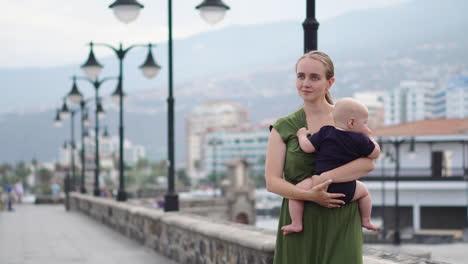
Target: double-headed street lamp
column 93, row 68
column 397, row 142
column 209, row 9
column 75, row 96
column 63, row 114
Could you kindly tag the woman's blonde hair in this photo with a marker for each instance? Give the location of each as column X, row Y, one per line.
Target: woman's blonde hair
column 327, row 62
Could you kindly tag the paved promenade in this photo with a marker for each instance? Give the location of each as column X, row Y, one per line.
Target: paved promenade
column 47, row 234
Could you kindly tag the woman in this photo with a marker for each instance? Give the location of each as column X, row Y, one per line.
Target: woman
column 332, row 233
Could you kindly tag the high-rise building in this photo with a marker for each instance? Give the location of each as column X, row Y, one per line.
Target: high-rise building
column 411, row 101
column 456, row 97
column 207, row 118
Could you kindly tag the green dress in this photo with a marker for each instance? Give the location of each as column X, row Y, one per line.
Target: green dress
column 329, row 236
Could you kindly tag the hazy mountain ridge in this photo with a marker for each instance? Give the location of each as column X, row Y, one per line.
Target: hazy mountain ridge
column 253, row 65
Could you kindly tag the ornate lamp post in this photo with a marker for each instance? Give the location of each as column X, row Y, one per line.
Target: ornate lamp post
column 92, row 69
column 310, row 26
column 171, row 199
column 65, row 114
column 76, row 97
column 397, row 142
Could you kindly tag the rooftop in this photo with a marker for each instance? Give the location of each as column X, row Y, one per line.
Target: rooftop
column 425, row 127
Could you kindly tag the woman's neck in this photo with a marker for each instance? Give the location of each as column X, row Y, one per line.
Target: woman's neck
column 321, row 107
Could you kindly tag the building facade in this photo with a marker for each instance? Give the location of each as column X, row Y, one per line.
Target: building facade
column 429, row 158
column 108, row 152
column 415, row 100
column 456, row 97
column 204, row 119
column 411, row 101
column 248, row 143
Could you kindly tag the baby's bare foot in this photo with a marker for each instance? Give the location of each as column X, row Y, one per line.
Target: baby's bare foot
column 291, row 229
column 366, row 223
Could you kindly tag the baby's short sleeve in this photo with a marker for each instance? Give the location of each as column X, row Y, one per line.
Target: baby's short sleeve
column 316, row 139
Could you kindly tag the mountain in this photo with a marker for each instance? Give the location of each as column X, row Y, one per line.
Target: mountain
column 252, row 65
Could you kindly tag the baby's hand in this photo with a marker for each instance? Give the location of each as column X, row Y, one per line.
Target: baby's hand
column 302, row 132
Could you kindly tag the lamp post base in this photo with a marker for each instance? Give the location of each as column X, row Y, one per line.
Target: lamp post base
column 121, row 196
column 171, row 202
column 67, row 192
column 396, row 238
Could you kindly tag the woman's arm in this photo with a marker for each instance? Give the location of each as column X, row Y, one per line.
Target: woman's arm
column 349, row 172
column 275, row 183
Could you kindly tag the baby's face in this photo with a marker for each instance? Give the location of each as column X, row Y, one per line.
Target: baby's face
column 360, row 125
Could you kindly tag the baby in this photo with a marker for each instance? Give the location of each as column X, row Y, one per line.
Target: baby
column 348, row 140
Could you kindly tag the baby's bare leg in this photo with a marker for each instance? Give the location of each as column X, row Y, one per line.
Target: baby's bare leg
column 296, row 209
column 365, row 205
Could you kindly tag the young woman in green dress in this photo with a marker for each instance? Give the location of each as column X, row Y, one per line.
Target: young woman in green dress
column 332, row 233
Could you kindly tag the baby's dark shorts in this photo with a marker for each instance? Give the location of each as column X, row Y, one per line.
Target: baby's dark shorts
column 346, row 188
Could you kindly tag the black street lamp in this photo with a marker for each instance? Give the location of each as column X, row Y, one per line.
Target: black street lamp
column 214, row 143
column 212, row 11
column 64, row 114
column 84, row 116
column 310, row 26
column 92, row 69
column 76, row 97
column 171, row 199
column 383, row 187
column 397, row 142
column 66, row 182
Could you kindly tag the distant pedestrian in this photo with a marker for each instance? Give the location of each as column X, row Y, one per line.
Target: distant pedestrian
column 9, row 191
column 19, row 191
column 55, row 188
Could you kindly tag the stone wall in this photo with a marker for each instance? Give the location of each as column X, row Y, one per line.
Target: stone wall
column 189, row 238
column 183, row 237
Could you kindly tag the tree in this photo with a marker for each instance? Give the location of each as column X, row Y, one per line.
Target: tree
column 22, row 171
column 182, row 177
column 44, row 176
column 142, row 164
column 6, row 175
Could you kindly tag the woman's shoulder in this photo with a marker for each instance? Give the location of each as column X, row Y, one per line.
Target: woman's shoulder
column 288, row 125
column 296, row 118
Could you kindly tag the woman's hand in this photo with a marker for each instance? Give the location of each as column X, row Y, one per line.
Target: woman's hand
column 319, row 194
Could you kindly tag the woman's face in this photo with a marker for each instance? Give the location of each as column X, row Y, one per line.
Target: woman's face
column 311, row 81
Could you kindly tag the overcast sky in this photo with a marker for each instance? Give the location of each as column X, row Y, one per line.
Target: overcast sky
column 49, row 33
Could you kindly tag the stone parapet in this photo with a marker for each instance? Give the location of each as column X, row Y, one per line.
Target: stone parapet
column 189, row 238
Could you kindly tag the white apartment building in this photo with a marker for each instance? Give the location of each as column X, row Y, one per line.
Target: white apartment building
column 108, row 152
column 206, row 118
column 411, row 101
column 222, row 146
column 456, row 97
